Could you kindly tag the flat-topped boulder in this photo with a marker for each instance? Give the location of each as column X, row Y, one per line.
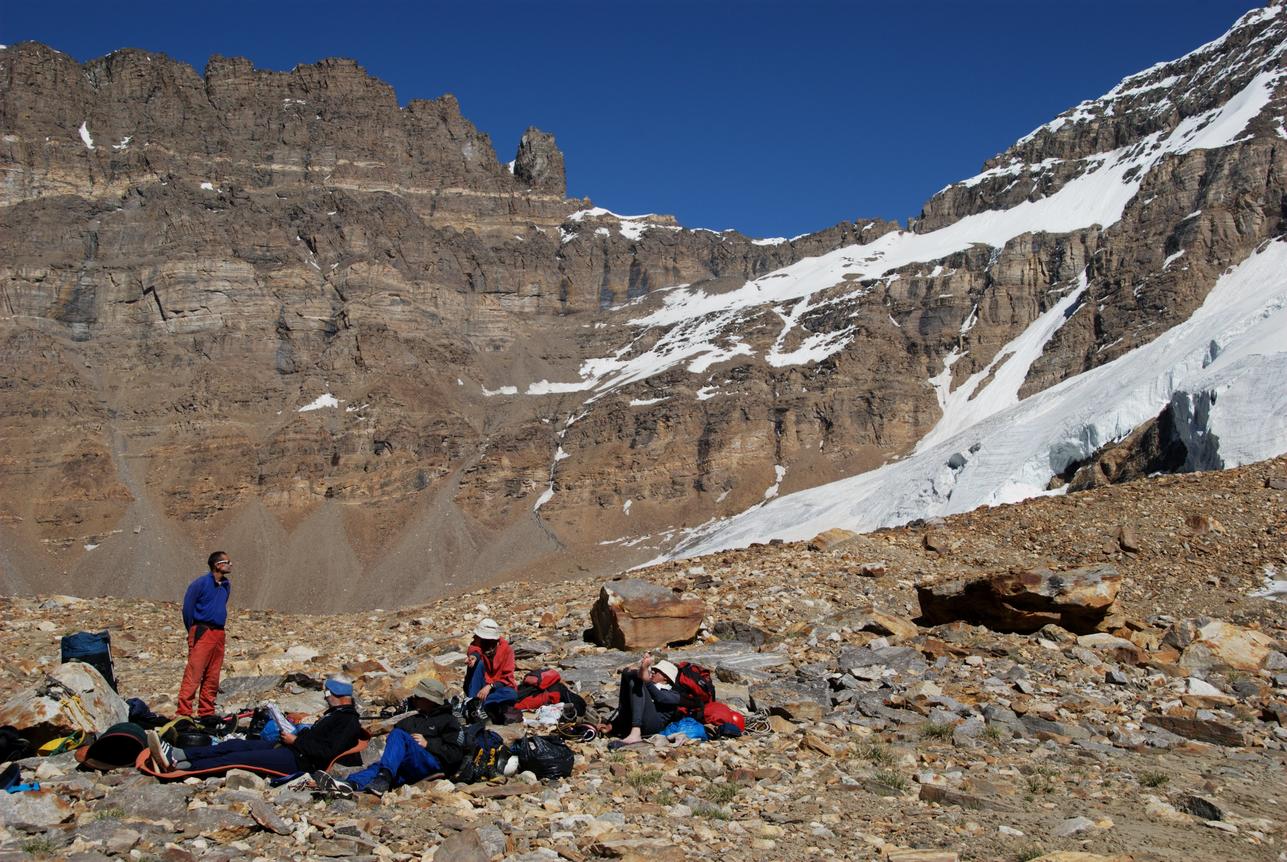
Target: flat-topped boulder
column 635, row 614
column 1081, row 600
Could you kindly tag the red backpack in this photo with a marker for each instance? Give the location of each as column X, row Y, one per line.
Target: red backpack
column 721, row 716
column 545, row 686
column 696, row 685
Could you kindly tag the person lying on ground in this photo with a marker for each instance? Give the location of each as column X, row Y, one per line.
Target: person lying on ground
column 424, row 743
column 311, row 748
column 489, row 674
column 647, row 700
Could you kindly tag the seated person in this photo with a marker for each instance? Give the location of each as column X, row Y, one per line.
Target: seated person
column 311, row 748
column 489, row 676
column 647, row 700
column 426, row 742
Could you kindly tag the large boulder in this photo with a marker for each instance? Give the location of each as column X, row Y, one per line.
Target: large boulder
column 796, row 700
column 1080, row 600
column 828, row 540
column 1205, row 643
column 633, row 614
column 40, row 810
column 73, row 697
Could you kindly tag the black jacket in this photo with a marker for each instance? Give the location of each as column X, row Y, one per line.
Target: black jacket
column 334, row 733
column 442, row 735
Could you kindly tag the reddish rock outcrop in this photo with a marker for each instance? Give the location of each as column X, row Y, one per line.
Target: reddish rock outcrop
column 1081, row 600
column 633, row 614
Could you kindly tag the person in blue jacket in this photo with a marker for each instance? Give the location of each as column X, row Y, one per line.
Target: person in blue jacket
column 205, row 614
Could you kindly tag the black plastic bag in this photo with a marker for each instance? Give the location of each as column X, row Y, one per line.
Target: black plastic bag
column 544, row 756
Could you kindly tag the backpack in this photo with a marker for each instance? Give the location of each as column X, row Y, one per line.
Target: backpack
column 170, row 731
column 13, row 746
column 94, row 649
column 696, row 685
column 485, row 754
column 726, row 720
column 545, row 686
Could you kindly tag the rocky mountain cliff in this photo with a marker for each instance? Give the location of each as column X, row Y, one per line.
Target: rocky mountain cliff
column 280, row 314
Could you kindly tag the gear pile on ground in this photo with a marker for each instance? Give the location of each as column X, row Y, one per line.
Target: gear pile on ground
column 1148, row 723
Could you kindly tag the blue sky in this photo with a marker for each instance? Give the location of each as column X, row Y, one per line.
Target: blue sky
column 773, row 118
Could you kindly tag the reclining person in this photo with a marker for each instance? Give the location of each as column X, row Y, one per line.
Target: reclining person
column 647, row 700
column 426, row 742
column 311, row 748
column 489, row 676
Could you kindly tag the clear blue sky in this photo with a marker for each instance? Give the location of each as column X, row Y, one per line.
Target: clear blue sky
column 774, row 118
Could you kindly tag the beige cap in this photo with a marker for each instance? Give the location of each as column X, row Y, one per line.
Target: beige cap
column 488, row 630
column 671, row 672
column 431, row 690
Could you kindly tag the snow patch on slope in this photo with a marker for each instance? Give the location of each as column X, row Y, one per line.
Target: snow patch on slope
column 965, row 406
column 324, row 400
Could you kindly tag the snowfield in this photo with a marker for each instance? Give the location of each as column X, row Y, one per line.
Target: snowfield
column 1225, row 368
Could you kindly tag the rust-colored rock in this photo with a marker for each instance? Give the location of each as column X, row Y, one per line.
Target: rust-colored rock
column 828, row 539
column 1209, row 643
column 73, row 697
column 1080, row 600
column 1201, row 729
column 634, row 614
column 892, row 626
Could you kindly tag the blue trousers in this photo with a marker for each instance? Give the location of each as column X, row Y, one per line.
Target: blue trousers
column 243, row 752
column 403, row 757
column 474, row 682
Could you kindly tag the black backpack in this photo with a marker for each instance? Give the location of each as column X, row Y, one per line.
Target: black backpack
column 13, row 746
column 485, row 754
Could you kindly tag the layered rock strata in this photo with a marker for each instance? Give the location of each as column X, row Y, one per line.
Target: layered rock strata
column 279, row 313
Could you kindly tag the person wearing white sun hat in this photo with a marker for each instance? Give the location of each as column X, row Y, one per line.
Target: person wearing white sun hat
column 647, row 700
column 489, row 676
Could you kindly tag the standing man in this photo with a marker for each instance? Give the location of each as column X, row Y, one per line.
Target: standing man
column 205, row 612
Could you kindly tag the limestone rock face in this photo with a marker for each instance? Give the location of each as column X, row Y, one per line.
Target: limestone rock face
column 74, row 697
column 634, row 614
column 1080, row 600
column 539, row 162
column 277, row 313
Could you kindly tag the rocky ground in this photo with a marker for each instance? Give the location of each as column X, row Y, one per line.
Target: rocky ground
column 1160, row 739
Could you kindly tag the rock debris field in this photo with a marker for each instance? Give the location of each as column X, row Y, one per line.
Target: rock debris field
column 1111, row 688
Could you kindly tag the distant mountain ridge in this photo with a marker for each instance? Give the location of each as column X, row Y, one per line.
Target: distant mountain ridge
column 277, row 313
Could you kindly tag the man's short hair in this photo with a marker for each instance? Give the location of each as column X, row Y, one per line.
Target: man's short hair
column 214, row 558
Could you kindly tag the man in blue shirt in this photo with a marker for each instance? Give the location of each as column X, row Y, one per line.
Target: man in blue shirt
column 205, row 613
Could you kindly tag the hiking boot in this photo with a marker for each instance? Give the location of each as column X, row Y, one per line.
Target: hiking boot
column 331, row 786
column 381, row 784
column 473, row 711
column 160, row 751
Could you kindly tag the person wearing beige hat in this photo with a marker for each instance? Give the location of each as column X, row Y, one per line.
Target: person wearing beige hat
column 489, row 676
column 647, row 700
column 426, row 742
